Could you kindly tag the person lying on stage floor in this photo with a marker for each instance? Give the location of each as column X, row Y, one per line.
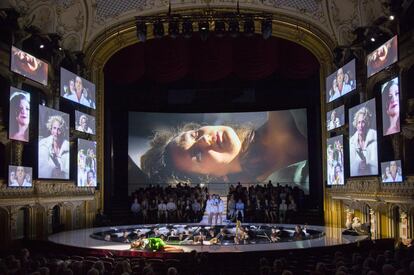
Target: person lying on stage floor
column 275, row 235
column 154, row 244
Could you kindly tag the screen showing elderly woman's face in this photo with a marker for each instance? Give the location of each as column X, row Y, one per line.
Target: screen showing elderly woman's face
column 207, row 150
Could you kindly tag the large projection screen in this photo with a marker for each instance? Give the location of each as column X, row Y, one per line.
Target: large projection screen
column 77, row 89
column 87, row 165
column 219, row 147
column 28, row 66
column 363, row 154
column 390, row 94
column 335, row 161
column 54, row 153
column 19, row 115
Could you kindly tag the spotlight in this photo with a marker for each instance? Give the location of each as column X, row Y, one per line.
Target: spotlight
column 219, row 28
column 372, row 39
column 248, row 27
column 141, row 31
column 391, row 17
column 266, row 28
column 187, row 28
column 60, row 49
column 173, row 29
column 234, row 28
column 158, row 29
column 203, row 29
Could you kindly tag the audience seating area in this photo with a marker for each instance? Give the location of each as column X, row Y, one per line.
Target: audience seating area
column 364, row 258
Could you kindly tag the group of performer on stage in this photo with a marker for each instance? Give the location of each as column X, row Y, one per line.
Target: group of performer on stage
column 160, row 238
column 214, row 209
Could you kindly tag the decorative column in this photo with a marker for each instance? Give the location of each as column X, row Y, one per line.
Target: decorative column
column 404, row 229
column 13, row 222
column 373, row 222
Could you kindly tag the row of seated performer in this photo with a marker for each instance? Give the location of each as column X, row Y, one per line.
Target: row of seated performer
column 208, row 235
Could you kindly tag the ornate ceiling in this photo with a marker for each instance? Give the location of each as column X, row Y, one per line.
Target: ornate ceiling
column 80, row 21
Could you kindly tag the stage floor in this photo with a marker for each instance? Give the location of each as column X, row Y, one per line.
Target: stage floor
column 330, row 237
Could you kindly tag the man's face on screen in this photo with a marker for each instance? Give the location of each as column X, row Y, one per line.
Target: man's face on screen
column 207, row 150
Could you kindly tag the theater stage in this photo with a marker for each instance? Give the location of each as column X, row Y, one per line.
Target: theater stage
column 317, row 236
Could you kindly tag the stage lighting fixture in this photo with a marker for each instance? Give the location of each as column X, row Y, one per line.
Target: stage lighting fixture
column 248, row 27
column 234, row 28
column 391, row 17
column 219, row 28
column 266, row 28
column 158, row 29
column 187, row 28
column 372, row 39
column 41, row 46
column 173, row 29
column 203, row 29
column 141, row 31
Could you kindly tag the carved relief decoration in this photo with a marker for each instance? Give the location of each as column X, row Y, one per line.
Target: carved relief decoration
column 88, row 19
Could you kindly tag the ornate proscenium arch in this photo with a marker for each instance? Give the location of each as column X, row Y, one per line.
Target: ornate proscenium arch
column 120, row 36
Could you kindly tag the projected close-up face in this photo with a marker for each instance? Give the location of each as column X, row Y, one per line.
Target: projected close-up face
column 23, row 116
column 19, row 115
column 20, row 174
column 393, row 107
column 207, row 150
column 219, row 147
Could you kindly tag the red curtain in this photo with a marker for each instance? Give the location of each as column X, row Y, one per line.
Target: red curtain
column 252, row 58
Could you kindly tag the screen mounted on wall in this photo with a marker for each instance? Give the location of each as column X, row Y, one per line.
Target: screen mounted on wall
column 54, row 151
column 19, row 115
column 335, row 118
column 28, row 66
column 391, row 171
column 87, row 165
column 383, row 56
column 84, row 123
column 363, row 154
column 335, row 160
column 219, row 147
column 20, row 176
column 341, row 82
column 77, row 89
column 390, row 94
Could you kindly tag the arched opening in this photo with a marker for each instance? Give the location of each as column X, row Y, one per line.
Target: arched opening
column 4, row 227
column 395, row 222
column 56, row 219
column 23, row 223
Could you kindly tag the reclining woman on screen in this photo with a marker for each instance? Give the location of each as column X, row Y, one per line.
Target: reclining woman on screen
column 276, row 151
